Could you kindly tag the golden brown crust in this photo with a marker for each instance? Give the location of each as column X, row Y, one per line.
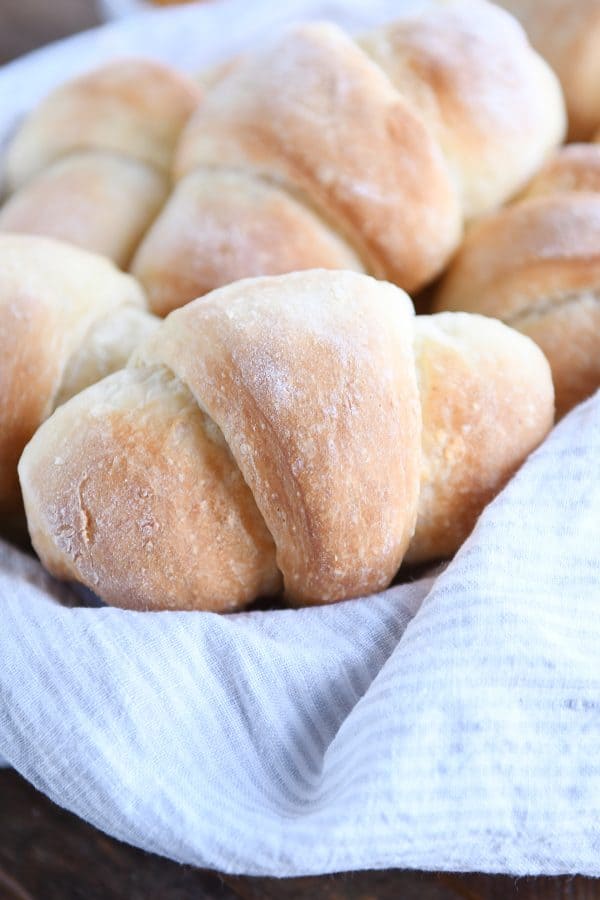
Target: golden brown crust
column 134, row 107
column 26, row 380
column 567, row 34
column 308, row 153
column 50, row 296
column 467, row 70
column 310, row 377
column 274, row 426
column 385, row 138
column 315, row 114
column 99, row 201
column 131, row 489
column 309, row 380
column 221, row 226
column 536, row 266
column 575, row 167
column 570, row 338
column 487, row 401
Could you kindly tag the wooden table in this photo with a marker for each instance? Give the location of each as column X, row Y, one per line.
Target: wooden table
column 49, row 854
column 26, row 24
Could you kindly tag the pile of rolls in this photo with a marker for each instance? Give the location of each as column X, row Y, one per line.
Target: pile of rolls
column 291, row 427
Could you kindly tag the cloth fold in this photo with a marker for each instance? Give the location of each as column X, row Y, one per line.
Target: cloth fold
column 452, row 723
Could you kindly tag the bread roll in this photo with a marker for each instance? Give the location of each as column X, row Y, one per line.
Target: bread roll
column 271, row 433
column 567, row 34
column 245, row 227
column 97, row 200
column 91, row 165
column 467, row 71
column 313, row 113
column 391, row 141
column 536, row 266
column 134, row 492
column 305, row 384
column 135, row 108
column 67, row 317
column 487, row 401
column 575, row 167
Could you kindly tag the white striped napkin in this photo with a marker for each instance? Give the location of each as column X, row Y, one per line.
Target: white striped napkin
column 453, row 723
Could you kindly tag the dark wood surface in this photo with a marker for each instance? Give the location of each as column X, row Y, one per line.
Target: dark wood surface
column 49, row 854
column 27, row 24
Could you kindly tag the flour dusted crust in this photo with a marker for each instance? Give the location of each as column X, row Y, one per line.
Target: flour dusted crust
column 376, row 149
column 100, row 201
column 536, row 265
column 106, row 347
column 487, row 401
column 133, row 107
column 466, row 70
column 91, row 164
column 132, row 490
column 575, row 167
column 52, row 298
column 314, row 150
column 308, row 382
column 312, row 112
column 245, row 227
column 302, row 430
column 310, row 377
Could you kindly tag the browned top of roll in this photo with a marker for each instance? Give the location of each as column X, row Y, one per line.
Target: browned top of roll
column 575, row 167
column 526, row 256
column 244, row 227
column 310, row 378
column 133, row 107
column 102, row 202
column 536, row 265
column 274, row 422
column 467, row 70
column 131, row 489
column 275, row 425
column 313, row 112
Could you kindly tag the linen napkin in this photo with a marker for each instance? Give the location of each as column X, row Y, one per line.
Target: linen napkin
column 452, row 723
